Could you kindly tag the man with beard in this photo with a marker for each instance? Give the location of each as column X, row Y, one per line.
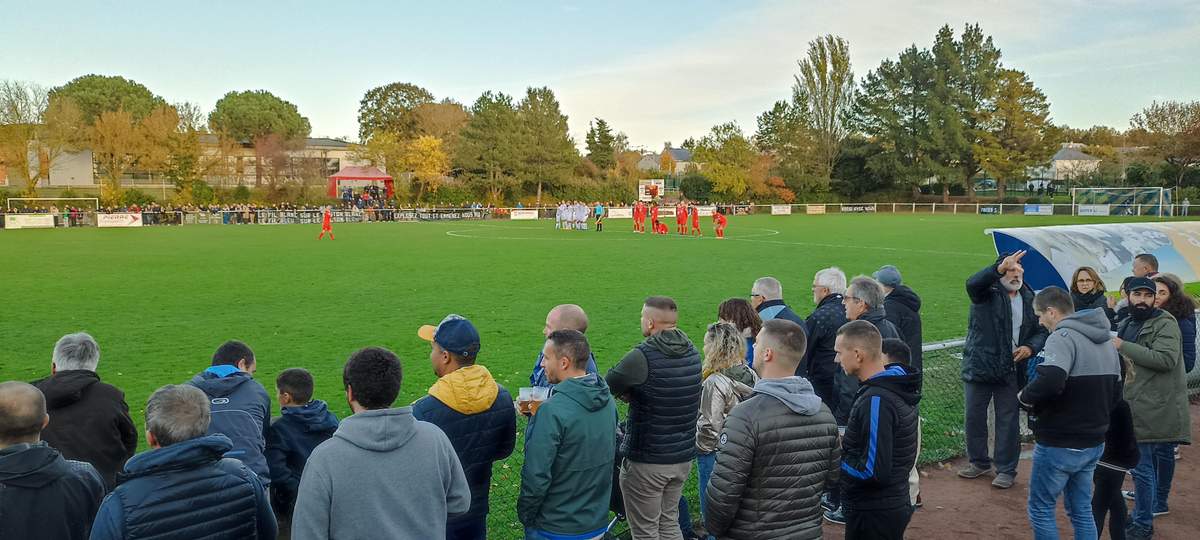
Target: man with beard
column 1002, row 333
column 1156, row 389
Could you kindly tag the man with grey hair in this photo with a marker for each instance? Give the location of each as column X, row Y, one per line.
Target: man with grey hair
column 767, row 298
column 562, row 317
column 183, row 486
column 89, row 420
column 822, row 324
column 42, row 495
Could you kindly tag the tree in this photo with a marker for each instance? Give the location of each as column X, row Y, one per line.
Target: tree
column 601, row 145
column 424, row 158
column 96, row 94
column 892, row 110
column 727, row 156
column 696, row 186
column 390, row 108
column 1175, row 126
column 35, row 131
column 261, row 118
column 548, row 154
column 488, row 148
column 826, row 86
column 785, row 133
column 443, row 120
column 1017, row 131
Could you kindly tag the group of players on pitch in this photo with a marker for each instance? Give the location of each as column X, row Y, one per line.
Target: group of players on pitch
column 683, row 212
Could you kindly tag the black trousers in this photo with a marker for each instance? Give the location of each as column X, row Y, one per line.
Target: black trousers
column 877, row 524
column 1106, row 499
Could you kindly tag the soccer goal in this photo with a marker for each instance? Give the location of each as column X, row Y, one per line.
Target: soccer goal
column 1121, row 201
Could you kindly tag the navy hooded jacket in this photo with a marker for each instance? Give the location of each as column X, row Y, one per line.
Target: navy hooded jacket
column 292, row 438
column 45, row 496
column 186, row 490
column 241, row 410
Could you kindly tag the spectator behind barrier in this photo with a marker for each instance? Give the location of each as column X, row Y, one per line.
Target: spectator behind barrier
column 303, row 424
column 241, row 408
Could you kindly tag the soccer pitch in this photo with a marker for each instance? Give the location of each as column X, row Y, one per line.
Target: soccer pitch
column 161, row 299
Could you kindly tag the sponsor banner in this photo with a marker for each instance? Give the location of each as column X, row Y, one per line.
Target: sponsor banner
column 127, row 219
column 858, row 208
column 781, row 209
column 1039, row 210
column 1055, row 252
column 814, row 209
column 1094, row 209
column 28, row 221
column 619, row 213
column 705, row 211
column 665, row 211
column 448, row 214
column 990, row 209
column 523, row 214
column 741, row 210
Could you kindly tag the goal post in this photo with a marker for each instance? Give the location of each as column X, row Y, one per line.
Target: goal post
column 1145, row 201
column 46, row 202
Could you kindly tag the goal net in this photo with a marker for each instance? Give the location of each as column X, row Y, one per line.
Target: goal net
column 1126, row 201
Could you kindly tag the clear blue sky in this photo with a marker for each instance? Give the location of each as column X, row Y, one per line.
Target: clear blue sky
column 659, row 71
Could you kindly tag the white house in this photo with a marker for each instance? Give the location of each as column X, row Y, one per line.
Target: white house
column 1068, row 163
column 681, row 157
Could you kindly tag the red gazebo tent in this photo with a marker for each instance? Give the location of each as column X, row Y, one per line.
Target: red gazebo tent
column 372, row 174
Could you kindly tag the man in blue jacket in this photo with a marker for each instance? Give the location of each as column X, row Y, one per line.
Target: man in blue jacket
column 475, row 412
column 183, row 487
column 305, row 423
column 766, row 296
column 241, row 408
column 880, row 445
column 562, row 317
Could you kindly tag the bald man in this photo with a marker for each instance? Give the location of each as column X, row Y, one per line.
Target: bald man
column 660, row 378
column 42, row 494
column 562, row 317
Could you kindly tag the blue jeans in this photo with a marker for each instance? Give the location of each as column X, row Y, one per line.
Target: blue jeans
column 1145, row 481
column 1067, row 471
column 1164, row 473
column 536, row 534
column 704, row 468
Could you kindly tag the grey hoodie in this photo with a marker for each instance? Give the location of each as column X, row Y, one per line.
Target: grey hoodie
column 1076, row 387
column 382, row 475
column 795, row 392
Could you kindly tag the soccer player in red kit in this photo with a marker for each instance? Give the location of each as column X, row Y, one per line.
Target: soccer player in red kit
column 653, row 218
column 681, row 218
column 719, row 220
column 696, row 221
column 639, row 217
column 326, row 224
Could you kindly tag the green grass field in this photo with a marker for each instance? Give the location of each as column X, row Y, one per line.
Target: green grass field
column 160, row 300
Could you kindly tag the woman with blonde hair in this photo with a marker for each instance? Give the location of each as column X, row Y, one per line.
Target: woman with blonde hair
column 727, row 381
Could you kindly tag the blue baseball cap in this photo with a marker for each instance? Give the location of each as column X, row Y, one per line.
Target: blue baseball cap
column 455, row 334
column 888, row 276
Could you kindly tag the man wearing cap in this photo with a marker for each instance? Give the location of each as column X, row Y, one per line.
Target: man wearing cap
column 475, row 412
column 562, row 317
column 902, row 306
column 1156, row 389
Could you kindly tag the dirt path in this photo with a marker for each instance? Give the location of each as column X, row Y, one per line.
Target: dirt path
column 955, row 508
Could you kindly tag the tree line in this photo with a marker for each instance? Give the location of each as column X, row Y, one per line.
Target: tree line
column 936, row 117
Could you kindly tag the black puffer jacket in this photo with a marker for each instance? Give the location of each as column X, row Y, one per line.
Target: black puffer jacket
column 847, row 385
column 89, row 421
column 822, row 326
column 903, row 308
column 777, row 454
column 987, row 356
column 880, row 445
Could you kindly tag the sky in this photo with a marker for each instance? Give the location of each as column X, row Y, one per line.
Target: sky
column 658, row 71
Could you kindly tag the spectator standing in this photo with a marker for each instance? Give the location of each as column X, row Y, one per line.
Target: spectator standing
column 902, row 307
column 377, row 457
column 183, row 483
column 766, row 296
column 661, row 380
column 566, row 478
column 864, row 301
column 739, row 313
column 42, row 495
column 879, row 447
column 89, row 420
column 241, row 408
column 475, row 412
column 1157, row 395
column 1169, row 296
column 727, row 381
column 1089, row 292
column 819, row 367
column 1120, row 456
column 1002, row 333
column 1070, row 399
column 303, row 424
column 895, row 351
column 562, row 317
column 778, row 449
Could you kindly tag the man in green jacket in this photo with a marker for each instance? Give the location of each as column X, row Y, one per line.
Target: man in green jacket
column 570, row 444
column 1156, row 389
